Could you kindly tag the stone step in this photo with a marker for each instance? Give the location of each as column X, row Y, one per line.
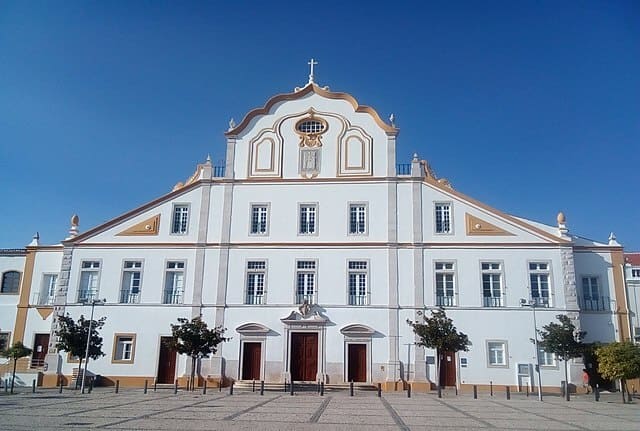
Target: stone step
column 245, row 385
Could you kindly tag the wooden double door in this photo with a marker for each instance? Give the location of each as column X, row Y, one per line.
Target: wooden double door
column 304, row 356
column 356, row 362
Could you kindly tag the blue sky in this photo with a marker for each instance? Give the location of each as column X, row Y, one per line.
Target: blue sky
column 531, row 107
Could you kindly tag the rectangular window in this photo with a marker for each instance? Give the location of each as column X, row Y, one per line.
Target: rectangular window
column 591, row 298
column 358, row 282
column 308, row 219
column 539, row 280
column 48, row 289
column 443, row 217
column 259, row 219
column 131, row 282
column 445, row 284
column 180, row 219
column 89, row 281
column 5, row 339
column 358, row 219
column 497, row 353
column 635, row 273
column 546, row 359
column 306, row 281
column 174, row 283
column 256, row 275
column 124, row 348
column 492, row 293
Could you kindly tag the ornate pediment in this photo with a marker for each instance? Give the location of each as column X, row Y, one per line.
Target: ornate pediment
column 150, row 226
column 307, row 314
column 252, row 329
column 357, row 331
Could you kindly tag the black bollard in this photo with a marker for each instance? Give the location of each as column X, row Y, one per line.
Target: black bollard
column 351, row 388
column 527, row 391
column 456, row 391
column 6, row 386
column 60, row 388
column 508, row 389
column 146, row 382
column 408, row 390
column 33, row 387
column 291, row 388
column 253, row 385
column 220, row 385
column 596, row 392
column 322, row 389
column 93, row 379
column 117, row 386
column 155, row 385
column 491, row 387
column 231, row 388
column 261, row 387
column 285, row 385
column 204, row 388
column 439, row 391
column 379, row 390
column 175, row 387
column 475, row 392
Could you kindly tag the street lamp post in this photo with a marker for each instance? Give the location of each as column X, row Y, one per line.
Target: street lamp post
column 532, row 304
column 86, row 353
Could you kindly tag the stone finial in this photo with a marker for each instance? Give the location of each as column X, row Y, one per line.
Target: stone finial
column 612, row 239
column 415, row 157
column 35, row 241
column 232, row 124
column 208, row 160
column 562, row 225
column 392, row 120
column 75, row 222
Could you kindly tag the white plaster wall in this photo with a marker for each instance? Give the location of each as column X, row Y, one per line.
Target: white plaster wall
column 46, row 262
column 9, row 302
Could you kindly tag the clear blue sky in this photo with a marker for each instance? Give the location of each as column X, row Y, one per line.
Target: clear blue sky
column 532, row 107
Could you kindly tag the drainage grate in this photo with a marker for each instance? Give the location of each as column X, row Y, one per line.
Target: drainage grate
column 79, row 423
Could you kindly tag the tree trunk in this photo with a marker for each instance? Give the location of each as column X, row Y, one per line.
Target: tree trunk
column 79, row 372
column 622, row 389
column 193, row 372
column 438, row 364
column 566, row 380
column 13, row 379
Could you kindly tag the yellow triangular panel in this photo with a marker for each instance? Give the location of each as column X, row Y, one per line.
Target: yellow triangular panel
column 147, row 227
column 477, row 226
column 45, row 312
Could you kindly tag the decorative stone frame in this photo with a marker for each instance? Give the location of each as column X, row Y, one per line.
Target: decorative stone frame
column 253, row 333
column 312, row 322
column 357, row 334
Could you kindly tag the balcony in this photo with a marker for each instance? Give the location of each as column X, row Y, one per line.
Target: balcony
column 358, row 299
column 40, row 299
column 254, row 300
column 403, row 169
column 129, row 297
column 541, row 302
column 491, row 301
column 446, row 301
column 218, row 171
column 87, row 295
column 171, row 297
column 595, row 304
column 302, row 297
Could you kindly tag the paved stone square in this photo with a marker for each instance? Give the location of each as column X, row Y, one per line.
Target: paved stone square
column 164, row 410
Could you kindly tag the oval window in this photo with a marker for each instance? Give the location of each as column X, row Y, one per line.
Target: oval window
column 311, row 126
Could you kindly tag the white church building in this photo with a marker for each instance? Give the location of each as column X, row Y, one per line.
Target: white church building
column 313, row 246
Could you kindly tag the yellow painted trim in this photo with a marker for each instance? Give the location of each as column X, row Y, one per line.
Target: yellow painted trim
column 147, row 227
column 115, row 346
column 44, row 312
column 617, row 261
column 25, row 293
column 476, row 226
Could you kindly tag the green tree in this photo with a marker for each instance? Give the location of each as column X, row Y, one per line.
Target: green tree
column 15, row 352
column 438, row 332
column 195, row 339
column 563, row 340
column 619, row 361
column 72, row 338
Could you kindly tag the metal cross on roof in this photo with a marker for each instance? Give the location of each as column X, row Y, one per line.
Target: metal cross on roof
column 311, row 63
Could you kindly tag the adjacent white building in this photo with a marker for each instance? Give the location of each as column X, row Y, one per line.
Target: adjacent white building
column 313, row 247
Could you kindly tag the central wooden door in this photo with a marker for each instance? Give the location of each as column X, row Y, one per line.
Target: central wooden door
column 251, row 358
column 166, row 362
column 357, row 362
column 448, row 369
column 40, row 349
column 304, row 356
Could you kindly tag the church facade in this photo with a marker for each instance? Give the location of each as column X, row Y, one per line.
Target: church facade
column 313, row 247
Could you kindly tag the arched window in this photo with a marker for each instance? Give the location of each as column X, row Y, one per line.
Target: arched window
column 10, row 282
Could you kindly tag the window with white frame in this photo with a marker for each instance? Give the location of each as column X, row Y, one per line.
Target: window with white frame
column 635, row 273
column 10, row 282
column 124, row 346
column 259, row 219
column 539, row 282
column 89, row 280
column 174, row 283
column 358, row 219
column 306, row 281
column 180, row 219
column 445, row 284
column 443, row 217
column 131, row 282
column 48, row 289
column 308, row 216
column 591, row 299
column 497, row 353
column 5, row 339
column 492, row 292
column 358, row 279
column 546, row 359
column 256, row 277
